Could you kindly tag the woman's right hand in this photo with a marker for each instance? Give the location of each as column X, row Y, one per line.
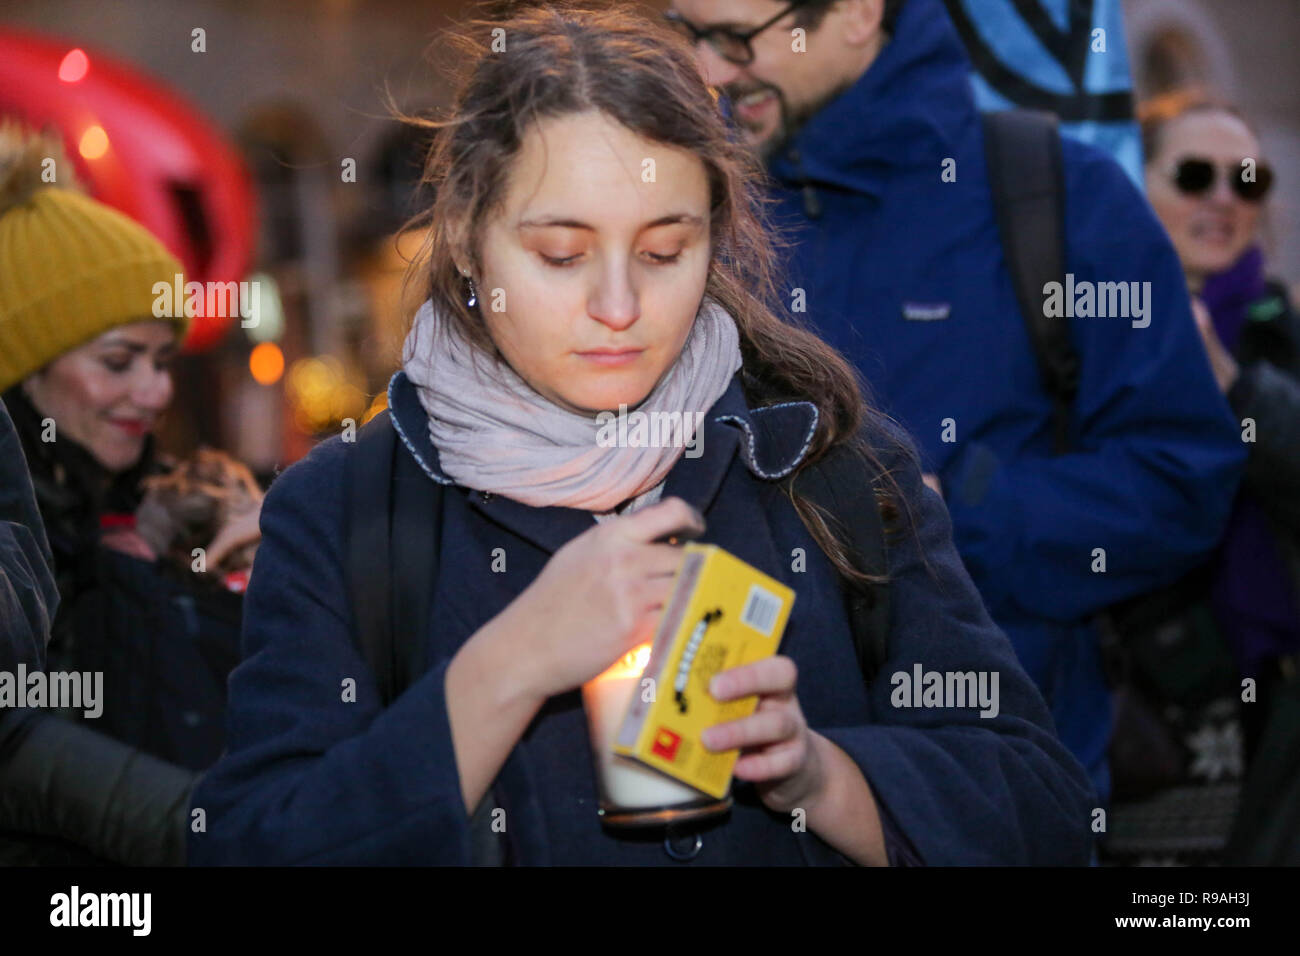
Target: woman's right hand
column 599, row 596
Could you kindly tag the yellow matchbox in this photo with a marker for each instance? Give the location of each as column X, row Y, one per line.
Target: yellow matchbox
column 722, row 613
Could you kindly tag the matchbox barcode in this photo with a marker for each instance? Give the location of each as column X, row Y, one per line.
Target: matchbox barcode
column 761, row 609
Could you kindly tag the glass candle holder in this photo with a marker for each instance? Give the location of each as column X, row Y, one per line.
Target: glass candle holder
column 632, row 794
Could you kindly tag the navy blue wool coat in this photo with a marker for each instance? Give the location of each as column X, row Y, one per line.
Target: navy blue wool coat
column 309, row 778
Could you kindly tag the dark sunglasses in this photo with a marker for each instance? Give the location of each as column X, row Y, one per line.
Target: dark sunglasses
column 731, row 46
column 1197, row 176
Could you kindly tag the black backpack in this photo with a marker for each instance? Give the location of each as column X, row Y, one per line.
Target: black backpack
column 1027, row 177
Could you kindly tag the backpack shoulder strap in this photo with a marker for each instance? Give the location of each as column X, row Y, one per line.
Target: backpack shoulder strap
column 416, row 546
column 392, row 518
column 836, row 486
column 367, row 478
column 1026, row 175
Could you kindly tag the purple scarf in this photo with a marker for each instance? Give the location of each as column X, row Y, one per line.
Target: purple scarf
column 1253, row 598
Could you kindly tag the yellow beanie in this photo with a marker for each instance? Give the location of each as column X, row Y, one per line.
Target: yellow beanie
column 71, row 268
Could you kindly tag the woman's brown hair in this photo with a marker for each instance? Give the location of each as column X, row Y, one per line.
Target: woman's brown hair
column 554, row 60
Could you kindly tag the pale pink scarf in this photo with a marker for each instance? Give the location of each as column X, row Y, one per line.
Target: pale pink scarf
column 495, row 433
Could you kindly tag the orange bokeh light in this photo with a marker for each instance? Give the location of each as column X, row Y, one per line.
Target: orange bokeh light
column 93, row 143
column 266, row 363
column 74, row 66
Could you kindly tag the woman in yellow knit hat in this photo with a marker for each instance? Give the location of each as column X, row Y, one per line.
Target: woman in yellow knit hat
column 84, row 372
column 81, row 347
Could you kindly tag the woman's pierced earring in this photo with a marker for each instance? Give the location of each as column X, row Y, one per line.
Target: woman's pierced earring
column 473, row 293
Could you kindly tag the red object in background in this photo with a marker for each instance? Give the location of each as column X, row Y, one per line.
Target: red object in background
column 112, row 521
column 165, row 165
column 237, row 581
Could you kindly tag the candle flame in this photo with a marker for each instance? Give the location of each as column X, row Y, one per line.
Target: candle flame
column 631, row 664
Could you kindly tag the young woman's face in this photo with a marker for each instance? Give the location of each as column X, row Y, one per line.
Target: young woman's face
column 594, row 268
column 109, row 393
column 1212, row 229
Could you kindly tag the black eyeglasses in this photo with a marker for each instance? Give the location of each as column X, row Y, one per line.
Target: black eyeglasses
column 1194, row 177
column 731, row 46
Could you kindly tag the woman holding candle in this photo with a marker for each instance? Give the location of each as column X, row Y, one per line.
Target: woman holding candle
column 597, row 246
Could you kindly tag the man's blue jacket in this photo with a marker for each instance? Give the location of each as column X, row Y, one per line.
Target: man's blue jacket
column 901, row 268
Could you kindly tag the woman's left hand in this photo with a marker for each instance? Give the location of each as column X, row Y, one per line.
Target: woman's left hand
column 240, row 530
column 779, row 754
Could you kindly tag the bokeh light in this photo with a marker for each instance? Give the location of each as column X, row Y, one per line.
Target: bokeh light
column 266, row 363
column 74, row 66
column 94, row 143
column 323, row 395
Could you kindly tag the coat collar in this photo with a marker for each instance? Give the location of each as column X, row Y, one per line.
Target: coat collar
column 771, row 441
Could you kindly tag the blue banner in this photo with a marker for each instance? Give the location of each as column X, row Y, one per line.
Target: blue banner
column 1067, row 56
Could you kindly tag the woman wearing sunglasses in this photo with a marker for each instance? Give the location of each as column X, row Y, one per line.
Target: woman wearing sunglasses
column 1239, row 617
column 1207, row 182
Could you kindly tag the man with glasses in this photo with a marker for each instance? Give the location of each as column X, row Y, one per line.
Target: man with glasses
column 863, row 113
column 770, row 108
column 768, row 112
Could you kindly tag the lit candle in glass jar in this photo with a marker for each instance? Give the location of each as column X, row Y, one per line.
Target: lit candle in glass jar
column 625, row 784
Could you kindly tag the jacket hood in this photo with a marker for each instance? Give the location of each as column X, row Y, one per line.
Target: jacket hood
column 910, row 107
